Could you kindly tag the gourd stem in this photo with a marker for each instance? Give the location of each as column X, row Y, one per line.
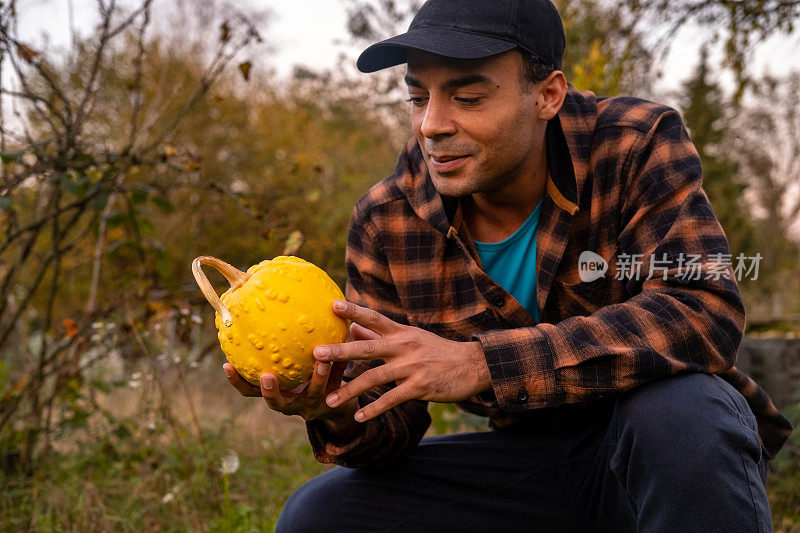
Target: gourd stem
column 234, row 276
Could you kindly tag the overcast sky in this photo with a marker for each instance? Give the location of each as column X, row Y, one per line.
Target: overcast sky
column 305, row 31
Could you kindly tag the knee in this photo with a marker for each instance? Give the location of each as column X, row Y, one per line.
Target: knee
column 687, row 452
column 689, row 411
column 309, row 509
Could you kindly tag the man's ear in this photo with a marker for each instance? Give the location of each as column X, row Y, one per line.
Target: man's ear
column 553, row 90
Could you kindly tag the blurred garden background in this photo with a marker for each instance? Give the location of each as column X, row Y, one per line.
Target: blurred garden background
column 136, row 135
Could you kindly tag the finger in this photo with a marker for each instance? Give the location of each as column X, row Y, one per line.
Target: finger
column 335, row 379
column 366, row 317
column 319, row 381
column 370, row 379
column 271, row 392
column 360, row 333
column 391, row 398
column 244, row 387
column 349, row 351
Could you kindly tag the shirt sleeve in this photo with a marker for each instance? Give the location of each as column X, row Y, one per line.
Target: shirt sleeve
column 396, row 432
column 670, row 324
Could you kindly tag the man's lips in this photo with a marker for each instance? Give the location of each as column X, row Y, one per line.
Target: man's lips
column 447, row 162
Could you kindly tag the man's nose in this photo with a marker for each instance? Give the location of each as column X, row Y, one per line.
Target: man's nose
column 437, row 120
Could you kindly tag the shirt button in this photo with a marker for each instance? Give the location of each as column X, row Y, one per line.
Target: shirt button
column 522, row 396
column 499, row 301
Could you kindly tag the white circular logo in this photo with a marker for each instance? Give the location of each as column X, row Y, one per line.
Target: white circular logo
column 591, row 266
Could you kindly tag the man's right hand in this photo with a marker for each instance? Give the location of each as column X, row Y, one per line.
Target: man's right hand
column 308, row 400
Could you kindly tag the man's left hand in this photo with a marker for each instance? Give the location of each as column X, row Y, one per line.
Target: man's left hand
column 424, row 365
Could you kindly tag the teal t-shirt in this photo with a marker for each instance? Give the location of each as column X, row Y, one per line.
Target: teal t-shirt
column 511, row 263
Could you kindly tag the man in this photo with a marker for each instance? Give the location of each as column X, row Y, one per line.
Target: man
column 612, row 392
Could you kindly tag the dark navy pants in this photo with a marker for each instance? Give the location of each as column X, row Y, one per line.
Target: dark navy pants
column 677, row 455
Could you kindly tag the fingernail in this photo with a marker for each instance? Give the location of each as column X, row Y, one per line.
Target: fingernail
column 339, row 305
column 266, row 382
column 332, row 399
column 225, row 369
column 359, row 416
column 322, row 368
column 322, row 352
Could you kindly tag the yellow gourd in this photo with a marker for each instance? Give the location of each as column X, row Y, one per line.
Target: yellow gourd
column 273, row 315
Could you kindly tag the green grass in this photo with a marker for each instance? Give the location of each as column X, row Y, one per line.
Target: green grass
column 170, row 478
column 148, row 488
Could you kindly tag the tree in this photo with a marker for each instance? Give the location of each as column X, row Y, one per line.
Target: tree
column 706, row 111
column 740, row 24
column 175, row 159
column 765, row 144
column 605, row 52
column 72, row 162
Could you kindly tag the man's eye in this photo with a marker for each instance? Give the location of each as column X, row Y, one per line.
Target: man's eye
column 417, row 100
column 469, row 100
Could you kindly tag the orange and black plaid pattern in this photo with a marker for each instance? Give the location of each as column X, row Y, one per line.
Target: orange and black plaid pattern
column 624, row 179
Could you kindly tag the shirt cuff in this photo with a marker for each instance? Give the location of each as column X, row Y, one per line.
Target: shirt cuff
column 521, row 368
column 330, row 448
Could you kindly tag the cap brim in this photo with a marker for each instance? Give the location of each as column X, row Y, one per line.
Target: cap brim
column 439, row 41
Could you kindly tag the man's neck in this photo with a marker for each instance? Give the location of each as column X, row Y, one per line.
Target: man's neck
column 494, row 216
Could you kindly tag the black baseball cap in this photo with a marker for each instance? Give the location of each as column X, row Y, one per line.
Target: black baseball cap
column 471, row 29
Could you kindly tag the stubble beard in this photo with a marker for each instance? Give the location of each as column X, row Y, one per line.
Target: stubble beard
column 459, row 186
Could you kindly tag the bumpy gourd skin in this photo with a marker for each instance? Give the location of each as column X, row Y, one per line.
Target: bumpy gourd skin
column 279, row 315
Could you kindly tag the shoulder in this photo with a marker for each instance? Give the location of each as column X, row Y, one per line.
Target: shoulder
column 390, row 193
column 627, row 112
column 616, row 126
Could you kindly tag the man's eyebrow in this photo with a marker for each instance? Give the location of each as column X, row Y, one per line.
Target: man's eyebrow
column 466, row 80
column 454, row 83
column 411, row 81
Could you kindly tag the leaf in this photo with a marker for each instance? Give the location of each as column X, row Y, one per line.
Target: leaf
column 100, row 385
column 3, row 375
column 145, row 226
column 163, row 265
column 70, row 329
column 79, row 420
column 26, row 53
column 314, row 196
column 293, row 243
column 115, row 219
column 224, row 32
column 40, row 144
column 72, row 187
column 140, row 194
column 163, row 204
column 10, row 157
column 17, row 387
column 99, row 201
column 122, row 431
column 245, row 69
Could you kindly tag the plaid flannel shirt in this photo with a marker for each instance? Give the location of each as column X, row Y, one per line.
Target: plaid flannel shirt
column 625, row 181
